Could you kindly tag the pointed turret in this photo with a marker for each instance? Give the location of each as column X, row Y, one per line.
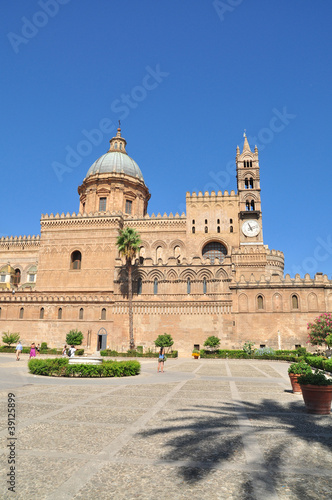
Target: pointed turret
column 246, row 146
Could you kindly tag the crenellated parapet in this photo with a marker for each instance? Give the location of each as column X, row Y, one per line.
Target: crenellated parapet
column 209, row 197
column 11, row 242
column 97, row 218
column 277, row 281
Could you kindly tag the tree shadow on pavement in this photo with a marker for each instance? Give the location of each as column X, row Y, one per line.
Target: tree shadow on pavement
column 204, row 437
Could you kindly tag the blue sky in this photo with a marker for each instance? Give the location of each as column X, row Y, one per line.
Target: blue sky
column 185, row 78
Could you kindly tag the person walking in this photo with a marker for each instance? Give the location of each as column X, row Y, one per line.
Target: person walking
column 32, row 351
column 19, row 349
column 71, row 352
column 161, row 360
column 64, row 351
column 38, row 349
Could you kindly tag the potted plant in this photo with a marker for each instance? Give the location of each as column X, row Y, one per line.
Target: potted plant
column 317, row 392
column 294, row 371
column 195, row 353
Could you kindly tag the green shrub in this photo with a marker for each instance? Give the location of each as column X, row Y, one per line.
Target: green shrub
column 328, row 365
column 299, row 368
column 315, row 361
column 60, row 367
column 7, row 348
column 79, row 352
column 247, row 348
column 164, row 340
column 301, row 351
column 212, row 342
column 317, row 378
column 74, row 337
column 263, row 351
column 139, row 348
column 132, row 353
column 10, row 338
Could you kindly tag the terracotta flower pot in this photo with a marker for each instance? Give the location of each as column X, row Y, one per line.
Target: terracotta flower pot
column 317, row 398
column 295, row 385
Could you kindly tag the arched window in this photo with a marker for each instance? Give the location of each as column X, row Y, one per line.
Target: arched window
column 260, row 302
column 188, row 285
column 17, row 277
column 76, row 260
column 41, row 313
column 81, row 313
column 218, row 229
column 218, row 221
column 102, row 204
column 21, row 312
column 213, row 250
column 193, row 221
column 206, row 230
column 246, row 183
column 60, row 313
column 231, row 229
column 103, row 313
column 139, row 286
column 251, row 183
column 115, row 145
column 204, row 286
column 159, row 253
column 120, row 145
column 247, row 206
column 177, row 252
column 193, row 229
column 155, row 286
column 129, row 207
column 295, row 302
column 252, row 205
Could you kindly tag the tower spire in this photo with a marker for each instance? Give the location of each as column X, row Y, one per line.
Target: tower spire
column 246, row 146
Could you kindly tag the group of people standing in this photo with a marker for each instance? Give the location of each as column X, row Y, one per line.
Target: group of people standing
column 34, row 349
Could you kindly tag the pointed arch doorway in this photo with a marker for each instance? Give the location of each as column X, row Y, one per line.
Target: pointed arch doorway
column 101, row 339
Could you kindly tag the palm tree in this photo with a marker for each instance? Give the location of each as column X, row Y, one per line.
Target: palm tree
column 128, row 245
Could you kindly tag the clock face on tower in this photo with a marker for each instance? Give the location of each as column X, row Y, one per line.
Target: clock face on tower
column 250, row 228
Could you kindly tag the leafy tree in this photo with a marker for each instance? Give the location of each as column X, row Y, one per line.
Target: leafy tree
column 74, row 337
column 10, row 338
column 164, row 340
column 320, row 330
column 212, row 342
column 128, row 243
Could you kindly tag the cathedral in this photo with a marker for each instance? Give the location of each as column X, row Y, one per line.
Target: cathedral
column 205, row 273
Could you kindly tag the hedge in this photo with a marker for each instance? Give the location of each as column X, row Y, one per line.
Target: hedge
column 136, row 354
column 26, row 350
column 240, row 354
column 60, row 367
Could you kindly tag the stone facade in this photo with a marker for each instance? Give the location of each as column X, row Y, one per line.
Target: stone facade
column 204, row 273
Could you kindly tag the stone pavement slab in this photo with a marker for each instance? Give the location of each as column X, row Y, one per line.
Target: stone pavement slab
column 216, row 429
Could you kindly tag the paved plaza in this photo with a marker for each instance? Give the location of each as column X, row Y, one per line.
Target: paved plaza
column 204, row 429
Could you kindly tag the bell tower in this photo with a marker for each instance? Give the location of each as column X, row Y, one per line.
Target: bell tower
column 249, row 192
